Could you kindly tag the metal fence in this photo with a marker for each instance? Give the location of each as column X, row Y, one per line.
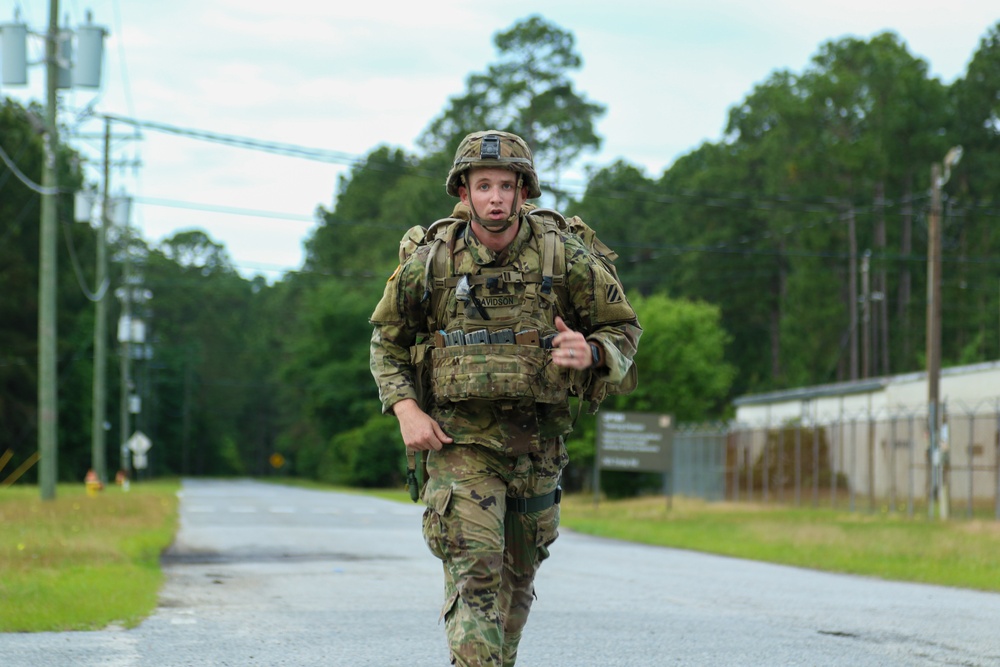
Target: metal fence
column 857, row 461
column 699, row 461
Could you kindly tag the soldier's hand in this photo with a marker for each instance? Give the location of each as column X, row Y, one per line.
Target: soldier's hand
column 570, row 348
column 419, row 431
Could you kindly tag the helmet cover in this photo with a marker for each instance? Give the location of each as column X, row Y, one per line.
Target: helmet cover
column 493, row 149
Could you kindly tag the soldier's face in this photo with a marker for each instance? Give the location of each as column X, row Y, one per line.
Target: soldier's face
column 491, row 192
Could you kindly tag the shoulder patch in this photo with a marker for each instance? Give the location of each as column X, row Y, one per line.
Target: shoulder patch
column 612, row 293
column 610, row 302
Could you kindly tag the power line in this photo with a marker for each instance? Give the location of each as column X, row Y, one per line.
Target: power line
column 723, row 200
column 743, row 248
column 215, row 208
column 293, row 150
column 102, row 289
column 719, row 199
column 24, row 179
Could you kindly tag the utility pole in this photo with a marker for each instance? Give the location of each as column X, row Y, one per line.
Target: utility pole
column 934, row 336
column 125, row 352
column 866, row 339
column 936, row 456
column 60, row 72
column 852, row 288
column 131, row 329
column 98, row 444
column 880, row 295
column 48, row 381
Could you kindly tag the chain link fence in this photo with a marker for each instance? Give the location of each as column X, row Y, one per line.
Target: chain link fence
column 860, row 461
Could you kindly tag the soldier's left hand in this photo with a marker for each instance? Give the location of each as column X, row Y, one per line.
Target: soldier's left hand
column 570, row 348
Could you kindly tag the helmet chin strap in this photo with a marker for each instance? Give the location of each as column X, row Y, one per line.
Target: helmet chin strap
column 492, row 226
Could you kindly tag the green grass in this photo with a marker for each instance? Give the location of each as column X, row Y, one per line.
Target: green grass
column 79, row 562
column 957, row 553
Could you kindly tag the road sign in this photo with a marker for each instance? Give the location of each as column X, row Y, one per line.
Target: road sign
column 139, row 443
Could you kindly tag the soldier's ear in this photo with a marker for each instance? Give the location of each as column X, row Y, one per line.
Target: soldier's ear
column 463, row 194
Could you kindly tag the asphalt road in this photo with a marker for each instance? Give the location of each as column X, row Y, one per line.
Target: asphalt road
column 265, row 575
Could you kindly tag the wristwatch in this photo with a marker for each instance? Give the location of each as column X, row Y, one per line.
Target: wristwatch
column 596, row 352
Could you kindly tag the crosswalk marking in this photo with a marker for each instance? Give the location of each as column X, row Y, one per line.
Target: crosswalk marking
column 201, row 508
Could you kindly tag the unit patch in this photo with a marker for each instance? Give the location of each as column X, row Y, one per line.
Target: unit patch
column 613, row 293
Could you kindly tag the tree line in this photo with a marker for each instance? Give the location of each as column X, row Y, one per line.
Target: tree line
column 790, row 252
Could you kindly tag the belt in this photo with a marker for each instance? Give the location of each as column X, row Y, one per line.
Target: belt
column 535, row 504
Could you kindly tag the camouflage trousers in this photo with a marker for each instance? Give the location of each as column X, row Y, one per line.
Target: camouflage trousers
column 490, row 556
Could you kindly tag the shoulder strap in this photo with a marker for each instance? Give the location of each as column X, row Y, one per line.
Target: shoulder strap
column 441, row 251
column 548, row 223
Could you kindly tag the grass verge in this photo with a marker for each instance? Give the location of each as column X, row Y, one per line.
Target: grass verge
column 955, row 553
column 79, row 562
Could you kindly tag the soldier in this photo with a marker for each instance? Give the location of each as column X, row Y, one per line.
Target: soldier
column 492, row 319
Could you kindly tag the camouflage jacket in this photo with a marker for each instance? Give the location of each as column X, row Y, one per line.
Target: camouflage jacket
column 588, row 298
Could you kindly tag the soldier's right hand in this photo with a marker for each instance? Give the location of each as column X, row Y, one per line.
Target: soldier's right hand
column 419, row 431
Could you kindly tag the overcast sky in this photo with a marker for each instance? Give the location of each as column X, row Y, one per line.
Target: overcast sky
column 347, row 77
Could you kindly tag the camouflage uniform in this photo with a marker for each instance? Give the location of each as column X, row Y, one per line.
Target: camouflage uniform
column 506, row 447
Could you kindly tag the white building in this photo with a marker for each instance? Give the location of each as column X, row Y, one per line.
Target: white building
column 876, row 430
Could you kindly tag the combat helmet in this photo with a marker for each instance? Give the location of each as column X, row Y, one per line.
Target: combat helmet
column 492, row 148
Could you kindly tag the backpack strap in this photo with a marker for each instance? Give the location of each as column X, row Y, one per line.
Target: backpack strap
column 549, row 223
column 551, row 213
column 437, row 233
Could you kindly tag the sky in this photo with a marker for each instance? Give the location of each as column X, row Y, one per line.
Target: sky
column 347, row 77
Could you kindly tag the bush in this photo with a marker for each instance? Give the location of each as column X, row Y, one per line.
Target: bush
column 371, row 455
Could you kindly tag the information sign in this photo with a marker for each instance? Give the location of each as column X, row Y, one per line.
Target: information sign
column 635, row 441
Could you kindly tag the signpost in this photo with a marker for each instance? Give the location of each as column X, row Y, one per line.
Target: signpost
column 139, row 443
column 635, row 442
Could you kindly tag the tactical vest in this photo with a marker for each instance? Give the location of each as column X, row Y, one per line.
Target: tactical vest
column 490, row 324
